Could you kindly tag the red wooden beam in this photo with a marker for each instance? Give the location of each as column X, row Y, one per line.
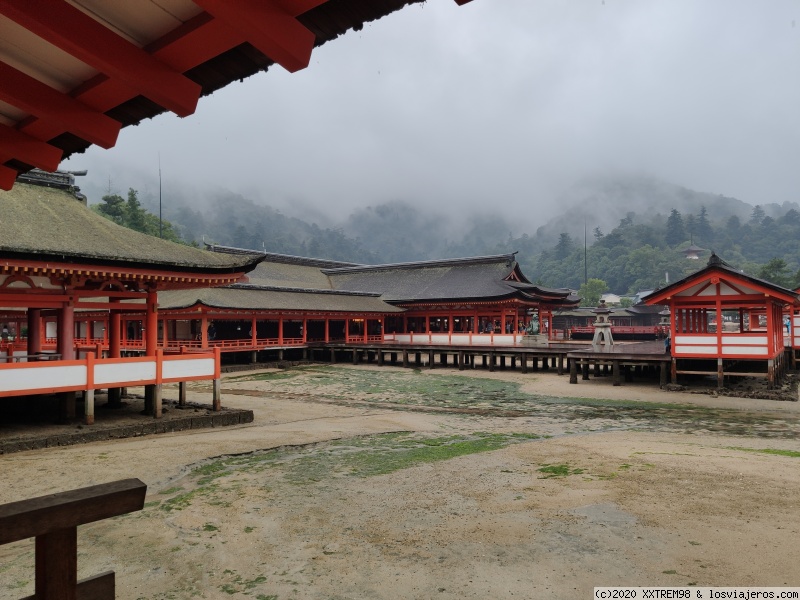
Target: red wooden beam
column 25, row 92
column 7, row 177
column 81, row 36
column 25, row 148
column 270, row 26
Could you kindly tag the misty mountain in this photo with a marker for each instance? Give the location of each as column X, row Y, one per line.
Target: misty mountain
column 603, row 201
column 635, row 207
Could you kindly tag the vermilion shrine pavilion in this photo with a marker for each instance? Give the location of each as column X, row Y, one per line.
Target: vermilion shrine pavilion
column 726, row 323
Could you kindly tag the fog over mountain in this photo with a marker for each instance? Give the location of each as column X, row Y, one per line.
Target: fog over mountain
column 488, row 112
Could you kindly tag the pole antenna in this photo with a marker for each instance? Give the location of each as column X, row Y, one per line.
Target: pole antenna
column 585, row 267
column 160, row 227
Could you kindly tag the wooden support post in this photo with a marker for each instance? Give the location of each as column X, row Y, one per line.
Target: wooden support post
column 216, row 395
column 492, row 360
column 721, row 374
column 573, row 371
column 460, row 360
column 88, row 397
column 181, row 393
column 57, row 564
column 418, row 359
column 523, row 363
column 355, row 356
column 663, row 378
column 405, row 358
column 431, row 359
column 157, row 390
column 616, row 372
column 380, row 358
column 770, row 374
column 535, row 363
column 393, row 358
column 585, row 369
column 560, row 367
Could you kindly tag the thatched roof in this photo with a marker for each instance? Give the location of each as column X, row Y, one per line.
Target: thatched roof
column 45, row 224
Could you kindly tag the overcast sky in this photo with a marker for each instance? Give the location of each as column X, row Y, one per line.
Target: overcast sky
column 498, row 103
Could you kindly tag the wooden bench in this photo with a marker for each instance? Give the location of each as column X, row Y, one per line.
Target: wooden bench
column 53, row 520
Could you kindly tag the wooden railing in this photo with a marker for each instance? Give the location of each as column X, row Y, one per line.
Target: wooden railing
column 53, row 520
column 24, row 379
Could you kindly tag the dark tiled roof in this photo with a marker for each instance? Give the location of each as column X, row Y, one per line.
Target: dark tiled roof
column 475, row 278
column 42, row 223
column 286, row 299
column 287, row 259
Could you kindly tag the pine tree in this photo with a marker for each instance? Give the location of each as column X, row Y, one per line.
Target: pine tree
column 675, row 230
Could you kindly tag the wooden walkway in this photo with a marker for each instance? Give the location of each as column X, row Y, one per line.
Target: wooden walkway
column 621, row 360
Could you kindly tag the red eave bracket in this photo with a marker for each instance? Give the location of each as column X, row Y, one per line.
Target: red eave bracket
column 32, row 96
column 270, row 26
column 22, row 147
column 78, row 34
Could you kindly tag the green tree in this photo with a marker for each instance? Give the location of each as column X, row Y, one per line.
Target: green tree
column 134, row 213
column 564, row 247
column 776, row 271
column 757, row 215
column 675, row 230
column 112, row 207
column 130, row 214
column 704, row 231
column 591, row 291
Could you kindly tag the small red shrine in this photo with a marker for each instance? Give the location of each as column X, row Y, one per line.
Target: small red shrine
column 60, row 259
column 726, row 323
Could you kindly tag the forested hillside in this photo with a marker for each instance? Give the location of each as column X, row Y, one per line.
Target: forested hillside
column 627, row 234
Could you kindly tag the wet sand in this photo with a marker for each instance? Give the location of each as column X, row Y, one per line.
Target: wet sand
column 672, row 498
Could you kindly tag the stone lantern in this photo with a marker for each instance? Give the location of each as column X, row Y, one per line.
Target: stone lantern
column 602, row 325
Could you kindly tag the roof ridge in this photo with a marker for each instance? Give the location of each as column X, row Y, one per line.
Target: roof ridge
column 273, row 288
column 282, row 258
column 442, row 262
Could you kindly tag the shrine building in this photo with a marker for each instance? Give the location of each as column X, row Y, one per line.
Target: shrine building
column 725, row 323
column 59, row 259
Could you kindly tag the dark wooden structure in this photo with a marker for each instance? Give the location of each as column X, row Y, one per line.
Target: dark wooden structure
column 53, row 520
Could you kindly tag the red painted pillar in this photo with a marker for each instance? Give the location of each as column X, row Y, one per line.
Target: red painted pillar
column 151, row 325
column 34, row 330
column 204, row 331
column 253, row 332
column 66, row 331
column 114, row 332
column 305, row 330
column 280, row 330
column 327, row 329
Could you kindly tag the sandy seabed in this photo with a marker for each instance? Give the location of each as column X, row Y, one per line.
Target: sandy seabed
column 638, row 506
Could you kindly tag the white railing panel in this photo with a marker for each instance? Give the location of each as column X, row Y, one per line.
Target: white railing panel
column 744, row 350
column 684, row 349
column 744, row 340
column 695, row 339
column 42, row 378
column 105, row 373
column 439, row 338
column 195, row 367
